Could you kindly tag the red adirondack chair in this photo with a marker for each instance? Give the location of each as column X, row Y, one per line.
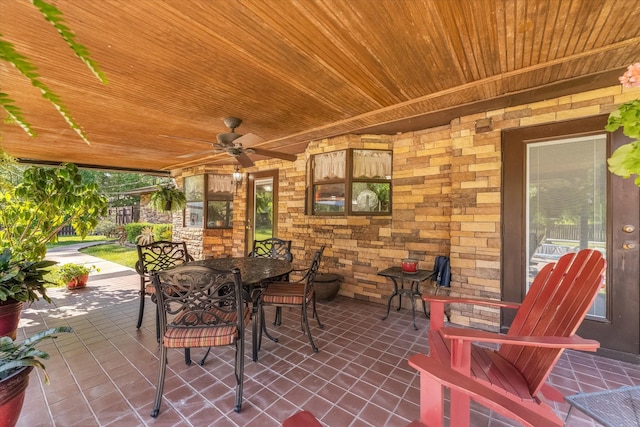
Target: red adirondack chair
column 511, row 379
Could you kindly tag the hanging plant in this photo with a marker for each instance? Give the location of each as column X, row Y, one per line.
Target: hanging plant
column 625, row 161
column 168, row 199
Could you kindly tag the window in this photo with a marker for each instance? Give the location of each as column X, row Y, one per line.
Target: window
column 217, row 192
column 194, row 192
column 219, row 201
column 351, row 182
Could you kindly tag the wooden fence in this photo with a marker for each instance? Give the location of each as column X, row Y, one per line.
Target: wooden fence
column 120, row 216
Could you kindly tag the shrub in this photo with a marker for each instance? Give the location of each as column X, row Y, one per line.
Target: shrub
column 134, row 229
column 163, row 232
column 106, row 228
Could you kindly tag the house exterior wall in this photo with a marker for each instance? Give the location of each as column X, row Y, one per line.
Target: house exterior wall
column 446, row 201
column 150, row 215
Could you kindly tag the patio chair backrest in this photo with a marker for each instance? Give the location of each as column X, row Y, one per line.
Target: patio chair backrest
column 161, row 255
column 202, row 297
column 556, row 304
column 272, row 247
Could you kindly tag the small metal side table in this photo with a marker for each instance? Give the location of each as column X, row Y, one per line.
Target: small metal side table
column 612, row 408
column 413, row 292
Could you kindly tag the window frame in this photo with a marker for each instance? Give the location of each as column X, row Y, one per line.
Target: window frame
column 204, row 202
column 348, row 181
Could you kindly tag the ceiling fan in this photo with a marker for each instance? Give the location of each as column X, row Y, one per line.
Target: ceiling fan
column 233, row 144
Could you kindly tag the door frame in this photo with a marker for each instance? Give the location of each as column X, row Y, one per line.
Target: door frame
column 623, row 312
column 250, row 214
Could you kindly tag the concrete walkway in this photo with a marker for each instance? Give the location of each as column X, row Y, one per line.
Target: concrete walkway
column 70, row 253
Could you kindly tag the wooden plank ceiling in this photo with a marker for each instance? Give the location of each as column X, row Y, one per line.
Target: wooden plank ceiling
column 295, row 70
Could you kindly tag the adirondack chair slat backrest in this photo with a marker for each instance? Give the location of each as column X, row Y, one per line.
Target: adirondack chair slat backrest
column 556, row 304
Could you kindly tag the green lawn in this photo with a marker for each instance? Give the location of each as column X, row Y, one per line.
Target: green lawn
column 123, row 255
column 70, row 240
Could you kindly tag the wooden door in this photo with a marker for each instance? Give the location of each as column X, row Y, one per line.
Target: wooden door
column 558, row 197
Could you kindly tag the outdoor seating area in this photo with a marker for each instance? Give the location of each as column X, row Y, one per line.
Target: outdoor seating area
column 291, row 170
column 105, row 373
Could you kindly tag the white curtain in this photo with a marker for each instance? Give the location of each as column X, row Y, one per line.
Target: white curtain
column 329, row 166
column 371, row 164
column 220, row 184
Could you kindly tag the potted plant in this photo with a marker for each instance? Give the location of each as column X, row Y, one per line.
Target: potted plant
column 32, row 212
column 146, row 236
column 20, row 281
column 16, row 362
column 168, row 199
column 72, row 275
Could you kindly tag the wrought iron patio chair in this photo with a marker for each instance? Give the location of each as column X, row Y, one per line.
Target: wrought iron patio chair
column 201, row 307
column 272, row 247
column 153, row 257
column 293, row 294
column 276, row 248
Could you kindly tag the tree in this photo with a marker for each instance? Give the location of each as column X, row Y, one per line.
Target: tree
column 34, row 211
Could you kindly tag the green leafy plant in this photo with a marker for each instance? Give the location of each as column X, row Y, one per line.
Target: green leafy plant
column 625, row 161
column 9, row 54
column 168, row 199
column 34, row 211
column 65, row 273
column 145, row 237
column 22, row 281
column 14, row 356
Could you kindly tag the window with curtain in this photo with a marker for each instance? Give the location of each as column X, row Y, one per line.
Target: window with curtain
column 219, row 201
column 351, row 182
column 213, row 191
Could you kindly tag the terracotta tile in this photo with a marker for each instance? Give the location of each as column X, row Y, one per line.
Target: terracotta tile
column 360, row 376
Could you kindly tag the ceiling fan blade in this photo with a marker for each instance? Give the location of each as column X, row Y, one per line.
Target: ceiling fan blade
column 244, row 160
column 248, row 139
column 276, row 154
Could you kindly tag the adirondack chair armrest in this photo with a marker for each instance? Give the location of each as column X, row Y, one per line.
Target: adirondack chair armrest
column 475, row 301
column 432, row 369
column 437, row 304
column 574, row 342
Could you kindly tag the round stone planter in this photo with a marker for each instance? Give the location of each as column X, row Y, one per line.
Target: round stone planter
column 327, row 286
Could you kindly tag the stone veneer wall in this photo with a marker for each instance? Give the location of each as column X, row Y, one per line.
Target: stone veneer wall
column 147, row 214
column 446, row 201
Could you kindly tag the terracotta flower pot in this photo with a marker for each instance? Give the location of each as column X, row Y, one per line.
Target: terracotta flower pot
column 78, row 282
column 12, row 390
column 9, row 318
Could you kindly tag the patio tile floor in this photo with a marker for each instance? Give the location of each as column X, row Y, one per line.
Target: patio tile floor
column 104, row 374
